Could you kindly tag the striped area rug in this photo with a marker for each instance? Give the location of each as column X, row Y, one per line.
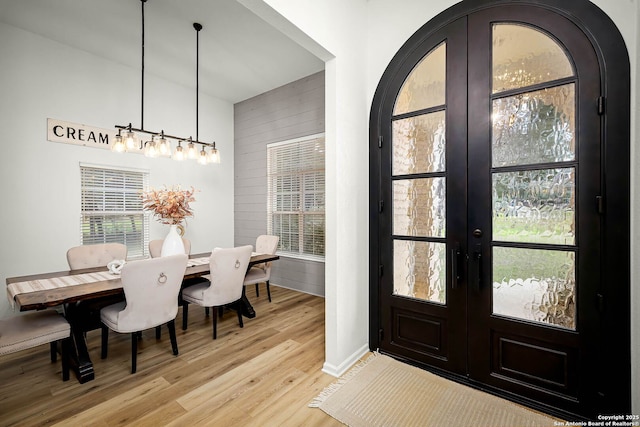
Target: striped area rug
column 381, row 391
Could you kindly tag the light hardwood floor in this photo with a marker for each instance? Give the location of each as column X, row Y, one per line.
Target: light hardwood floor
column 262, row 375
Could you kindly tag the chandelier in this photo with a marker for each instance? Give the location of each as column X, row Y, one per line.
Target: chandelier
column 158, row 143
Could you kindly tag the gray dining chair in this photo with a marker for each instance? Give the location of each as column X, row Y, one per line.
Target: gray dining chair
column 36, row 328
column 227, row 269
column 151, row 289
column 261, row 273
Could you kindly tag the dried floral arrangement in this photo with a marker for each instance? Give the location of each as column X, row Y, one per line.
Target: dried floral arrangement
column 169, row 205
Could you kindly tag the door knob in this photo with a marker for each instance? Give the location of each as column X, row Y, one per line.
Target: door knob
column 477, row 233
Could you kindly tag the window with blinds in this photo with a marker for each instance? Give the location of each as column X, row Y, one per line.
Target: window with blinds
column 296, row 196
column 111, row 208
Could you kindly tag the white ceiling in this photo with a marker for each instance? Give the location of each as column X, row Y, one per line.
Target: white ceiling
column 241, row 56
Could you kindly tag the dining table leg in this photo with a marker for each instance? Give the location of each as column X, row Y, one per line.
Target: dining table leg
column 79, row 360
column 245, row 306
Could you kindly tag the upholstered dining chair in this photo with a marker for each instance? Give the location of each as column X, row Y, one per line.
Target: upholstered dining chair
column 265, row 244
column 91, row 256
column 36, row 328
column 155, row 247
column 227, row 269
column 151, row 289
column 98, row 255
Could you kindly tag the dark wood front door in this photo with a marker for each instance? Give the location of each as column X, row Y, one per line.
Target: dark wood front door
column 488, row 192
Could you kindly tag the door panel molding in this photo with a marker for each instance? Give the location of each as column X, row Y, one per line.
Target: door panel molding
column 416, row 332
column 513, row 352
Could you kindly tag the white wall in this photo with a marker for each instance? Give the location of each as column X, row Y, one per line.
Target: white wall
column 340, row 28
column 40, row 180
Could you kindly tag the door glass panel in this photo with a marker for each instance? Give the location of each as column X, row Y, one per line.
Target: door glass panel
column 535, row 285
column 535, row 206
column 524, row 56
column 425, row 86
column 419, row 207
column 419, row 270
column 534, row 127
column 419, row 144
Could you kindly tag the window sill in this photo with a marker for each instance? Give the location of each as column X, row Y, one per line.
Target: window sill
column 301, row 257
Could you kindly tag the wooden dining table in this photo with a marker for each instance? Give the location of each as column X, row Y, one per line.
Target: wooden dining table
column 74, row 299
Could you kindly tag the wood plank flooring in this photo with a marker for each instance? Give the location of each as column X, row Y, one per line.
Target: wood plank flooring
column 264, row 374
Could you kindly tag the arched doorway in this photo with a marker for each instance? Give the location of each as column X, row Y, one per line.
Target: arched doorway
column 500, row 204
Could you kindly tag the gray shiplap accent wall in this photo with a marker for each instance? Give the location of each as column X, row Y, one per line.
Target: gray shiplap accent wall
column 288, row 112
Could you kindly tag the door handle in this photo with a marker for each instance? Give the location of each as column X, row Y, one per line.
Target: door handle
column 477, row 258
column 455, row 258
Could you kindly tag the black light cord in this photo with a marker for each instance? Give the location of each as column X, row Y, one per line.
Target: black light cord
column 197, row 27
column 142, row 72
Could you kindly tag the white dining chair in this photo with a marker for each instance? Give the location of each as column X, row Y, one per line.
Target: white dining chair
column 36, row 328
column 155, row 250
column 93, row 256
column 227, row 269
column 261, row 273
column 151, row 289
column 98, row 255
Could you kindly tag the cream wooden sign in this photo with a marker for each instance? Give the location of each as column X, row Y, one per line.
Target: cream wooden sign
column 79, row 134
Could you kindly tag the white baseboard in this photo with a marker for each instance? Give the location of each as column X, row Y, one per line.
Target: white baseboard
column 297, row 290
column 343, row 367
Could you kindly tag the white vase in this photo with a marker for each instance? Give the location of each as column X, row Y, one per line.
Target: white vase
column 172, row 244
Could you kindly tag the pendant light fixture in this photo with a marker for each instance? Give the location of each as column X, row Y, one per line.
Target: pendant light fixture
column 158, row 145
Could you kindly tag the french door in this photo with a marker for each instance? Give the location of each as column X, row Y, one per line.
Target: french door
column 489, row 194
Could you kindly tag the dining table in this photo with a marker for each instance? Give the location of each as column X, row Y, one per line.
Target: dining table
column 79, row 292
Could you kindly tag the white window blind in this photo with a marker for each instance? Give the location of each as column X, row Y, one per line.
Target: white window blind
column 111, row 208
column 296, row 196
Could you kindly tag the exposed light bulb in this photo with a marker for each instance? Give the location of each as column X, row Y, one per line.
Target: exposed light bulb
column 150, row 149
column 118, row 145
column 164, row 148
column 214, row 155
column 192, row 153
column 130, row 141
column 179, row 153
column 203, row 157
